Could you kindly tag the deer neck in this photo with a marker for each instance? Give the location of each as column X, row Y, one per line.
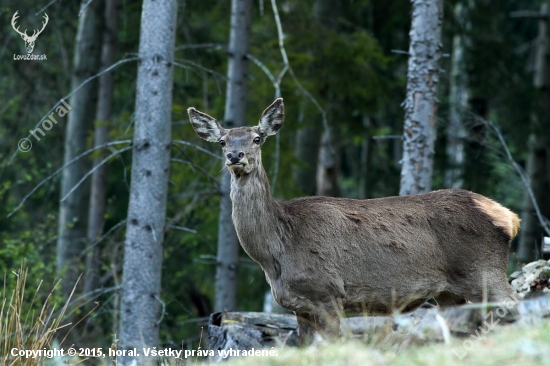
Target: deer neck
column 256, row 215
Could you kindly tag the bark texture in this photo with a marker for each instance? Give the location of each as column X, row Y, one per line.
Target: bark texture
column 99, row 177
column 235, row 112
column 141, row 279
column 421, row 101
column 538, row 160
column 71, row 239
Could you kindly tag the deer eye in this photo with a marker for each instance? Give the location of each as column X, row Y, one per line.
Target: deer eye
column 257, row 140
column 222, row 142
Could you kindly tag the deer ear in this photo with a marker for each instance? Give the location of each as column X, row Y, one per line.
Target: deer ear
column 205, row 126
column 272, row 119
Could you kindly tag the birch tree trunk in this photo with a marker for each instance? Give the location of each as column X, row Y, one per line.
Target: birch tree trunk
column 538, row 160
column 71, row 238
column 235, row 112
column 143, row 247
column 421, row 101
column 99, row 177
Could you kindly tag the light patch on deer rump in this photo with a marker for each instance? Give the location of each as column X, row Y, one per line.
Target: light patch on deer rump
column 500, row 215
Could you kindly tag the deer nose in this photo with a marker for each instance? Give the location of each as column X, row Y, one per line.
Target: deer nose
column 235, row 156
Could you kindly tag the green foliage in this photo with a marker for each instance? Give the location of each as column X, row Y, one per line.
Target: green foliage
column 345, row 63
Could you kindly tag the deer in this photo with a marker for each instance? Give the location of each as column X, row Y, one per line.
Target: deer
column 29, row 41
column 324, row 257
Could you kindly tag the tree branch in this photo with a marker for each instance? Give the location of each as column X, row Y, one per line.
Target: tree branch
column 198, row 148
column 104, row 236
column 71, row 93
column 93, row 170
column 521, row 172
column 63, row 167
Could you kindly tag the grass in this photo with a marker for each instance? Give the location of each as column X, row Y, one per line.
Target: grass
column 506, row 345
column 25, row 325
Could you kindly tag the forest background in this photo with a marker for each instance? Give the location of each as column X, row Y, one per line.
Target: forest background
column 343, row 80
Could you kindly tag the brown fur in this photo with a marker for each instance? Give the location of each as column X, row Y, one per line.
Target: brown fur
column 324, row 256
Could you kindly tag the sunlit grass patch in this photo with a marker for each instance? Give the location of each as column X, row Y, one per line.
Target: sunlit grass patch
column 24, row 324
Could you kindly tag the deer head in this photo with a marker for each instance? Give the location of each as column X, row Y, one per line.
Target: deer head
column 29, row 41
column 240, row 145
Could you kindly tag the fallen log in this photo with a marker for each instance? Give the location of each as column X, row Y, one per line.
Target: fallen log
column 247, row 330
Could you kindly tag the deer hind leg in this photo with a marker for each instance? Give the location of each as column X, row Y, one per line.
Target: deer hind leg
column 306, row 326
column 329, row 320
column 325, row 320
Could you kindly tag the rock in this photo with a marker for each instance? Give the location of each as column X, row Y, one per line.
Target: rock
column 532, row 279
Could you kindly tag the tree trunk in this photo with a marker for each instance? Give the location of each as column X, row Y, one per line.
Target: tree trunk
column 71, row 239
column 327, row 13
column 531, row 230
column 235, row 108
column 143, row 247
column 327, row 168
column 477, row 167
column 307, row 151
column 421, row 101
column 364, row 159
column 458, row 103
column 538, row 160
column 99, row 177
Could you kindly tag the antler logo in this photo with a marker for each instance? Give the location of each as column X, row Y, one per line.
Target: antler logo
column 29, row 41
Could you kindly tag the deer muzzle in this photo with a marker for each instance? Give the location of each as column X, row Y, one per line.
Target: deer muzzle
column 236, row 160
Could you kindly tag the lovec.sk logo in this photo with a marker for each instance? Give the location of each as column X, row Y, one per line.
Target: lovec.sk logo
column 29, row 40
